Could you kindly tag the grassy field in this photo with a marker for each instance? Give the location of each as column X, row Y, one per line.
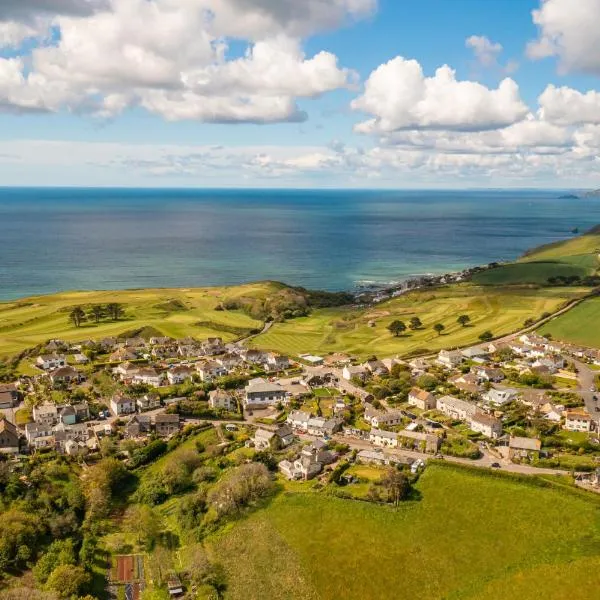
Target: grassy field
column 499, row 310
column 496, row 539
column 578, row 326
column 585, row 244
column 173, row 312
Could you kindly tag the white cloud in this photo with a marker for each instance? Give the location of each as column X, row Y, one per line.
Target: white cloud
column 399, row 96
column 171, row 57
column 485, row 50
column 568, row 30
column 566, row 106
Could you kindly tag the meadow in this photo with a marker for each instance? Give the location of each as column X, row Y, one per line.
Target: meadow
column 495, row 538
column 500, row 310
column 577, row 326
column 172, row 312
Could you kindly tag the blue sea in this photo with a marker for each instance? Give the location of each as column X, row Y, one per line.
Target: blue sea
column 75, row 239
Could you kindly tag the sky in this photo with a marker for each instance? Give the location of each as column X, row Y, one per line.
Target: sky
column 300, row 93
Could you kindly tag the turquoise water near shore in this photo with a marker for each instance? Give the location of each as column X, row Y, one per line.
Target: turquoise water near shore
column 67, row 239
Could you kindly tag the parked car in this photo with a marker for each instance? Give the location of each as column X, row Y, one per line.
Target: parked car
column 495, row 465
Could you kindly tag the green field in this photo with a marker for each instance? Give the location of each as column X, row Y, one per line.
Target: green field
column 173, row 312
column 532, row 272
column 496, row 539
column 499, row 310
column 586, row 244
column 578, row 326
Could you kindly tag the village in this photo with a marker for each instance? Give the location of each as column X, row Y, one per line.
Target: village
column 524, row 403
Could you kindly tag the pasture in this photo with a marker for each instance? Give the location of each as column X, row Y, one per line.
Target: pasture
column 579, row 325
column 501, row 310
column 470, row 536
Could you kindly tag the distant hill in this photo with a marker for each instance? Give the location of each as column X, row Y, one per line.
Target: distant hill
column 588, row 194
column 591, row 194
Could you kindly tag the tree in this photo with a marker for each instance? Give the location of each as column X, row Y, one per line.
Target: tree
column 397, row 327
column 486, row 336
column 97, row 313
column 463, row 320
column 396, row 485
column 67, row 580
column 77, row 316
column 142, row 521
column 115, row 311
column 415, row 323
column 439, row 328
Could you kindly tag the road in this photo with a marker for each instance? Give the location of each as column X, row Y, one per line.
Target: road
column 586, row 380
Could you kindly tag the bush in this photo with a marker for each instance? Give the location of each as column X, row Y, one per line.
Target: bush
column 145, row 455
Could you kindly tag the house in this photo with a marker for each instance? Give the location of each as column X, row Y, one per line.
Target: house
column 148, row 376
column 332, row 426
column 9, row 438
column 282, row 437
column 578, row 420
column 138, row 425
column 179, row 374
column 34, row 431
column 81, row 359
column 387, row 439
column 120, row 405
column 166, row 424
column 288, row 469
column 299, row 420
column 421, row 399
column 373, row 457
column 311, row 460
column 449, row 358
column 189, row 350
column 311, row 359
column 295, row 388
column 65, row 375
column 520, row 447
column 75, row 448
column 260, row 393
column 263, row 439
column 474, row 353
column 456, row 408
column 210, row 370
column 377, row 418
column 492, row 374
column 552, row 412
column 500, row 397
column 376, row 367
column 160, row 340
column 9, row 395
column 123, row 355
column 486, row 425
column 418, row 366
column 277, row 362
column 135, row 342
column 212, row 346
column 148, row 402
column 229, row 361
column 421, row 442
column 45, row 414
column 252, row 356
column 355, row 372
column 51, row 361
column 222, row 400
column 125, row 371
column 467, row 382
column 67, row 415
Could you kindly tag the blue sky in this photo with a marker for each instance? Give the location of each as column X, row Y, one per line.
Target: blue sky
column 330, row 93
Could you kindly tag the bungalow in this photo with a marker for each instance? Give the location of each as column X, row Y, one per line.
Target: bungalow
column 179, row 374
column 299, row 420
column 65, row 375
column 418, row 366
column 374, row 457
column 456, row 408
column 166, row 424
column 421, row 399
column 474, row 352
column 450, row 358
column 486, row 425
column 277, row 362
column 210, row 370
column 489, row 374
column 45, row 414
column 416, row 440
column 51, row 361
column 260, row 393
column 148, row 376
column 9, row 438
column 578, row 420
column 500, row 397
column 387, row 439
column 355, row 372
column 138, row 425
column 148, row 402
column 521, row 447
column 122, row 406
column 223, row 400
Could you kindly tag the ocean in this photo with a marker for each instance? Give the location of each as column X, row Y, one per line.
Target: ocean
column 76, row 239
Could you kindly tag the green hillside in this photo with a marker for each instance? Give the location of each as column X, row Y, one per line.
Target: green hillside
column 577, row 326
column 470, row 536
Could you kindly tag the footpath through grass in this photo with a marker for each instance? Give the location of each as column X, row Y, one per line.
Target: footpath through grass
column 470, row 536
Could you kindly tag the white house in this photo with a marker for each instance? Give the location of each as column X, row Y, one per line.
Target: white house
column 277, row 362
column 120, row 405
column 578, row 420
column 221, row 399
column 384, row 439
column 148, row 376
column 456, row 408
column 498, row 397
column 45, row 414
column 450, row 358
column 211, row 370
column 299, row 419
column 179, row 374
column 260, row 392
column 486, row 425
column 351, row 372
column 51, row 361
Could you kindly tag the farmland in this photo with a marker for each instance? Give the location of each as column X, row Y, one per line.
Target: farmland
column 575, row 326
column 469, row 536
column 501, row 310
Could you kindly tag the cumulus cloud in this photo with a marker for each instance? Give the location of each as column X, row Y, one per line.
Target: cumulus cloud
column 568, row 30
column 399, row 96
column 485, row 50
column 566, row 106
column 172, row 58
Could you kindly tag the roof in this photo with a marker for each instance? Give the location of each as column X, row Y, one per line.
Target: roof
column 390, row 435
column 261, row 386
column 420, row 394
column 166, row 418
column 521, row 443
column 8, row 427
column 122, row 400
column 298, row 415
column 578, row 414
column 485, row 419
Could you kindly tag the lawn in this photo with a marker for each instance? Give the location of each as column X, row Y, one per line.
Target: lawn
column 470, row 536
column 343, row 329
column 173, row 312
column 577, row 326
